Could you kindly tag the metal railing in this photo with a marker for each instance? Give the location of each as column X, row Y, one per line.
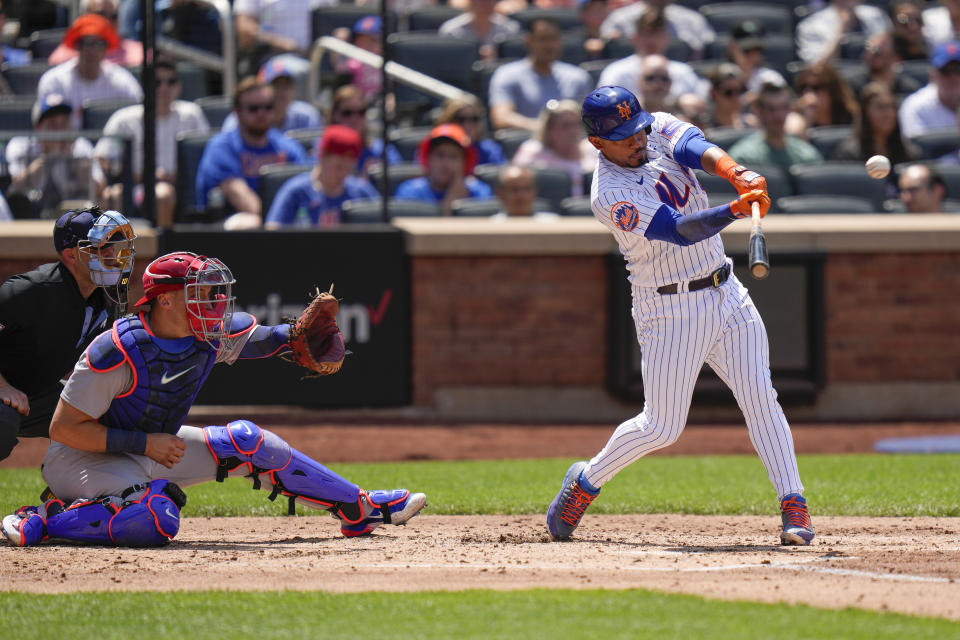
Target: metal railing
column 395, row 71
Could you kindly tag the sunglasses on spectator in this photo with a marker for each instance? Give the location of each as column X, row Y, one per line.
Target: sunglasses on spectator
column 254, row 108
column 91, row 41
column 730, row 92
column 905, row 19
column 656, row 77
column 463, row 119
column 167, row 81
column 352, row 113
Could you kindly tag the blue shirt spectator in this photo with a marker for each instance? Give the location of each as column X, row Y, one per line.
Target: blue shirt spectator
column 288, row 112
column 316, row 198
column 448, row 160
column 232, row 159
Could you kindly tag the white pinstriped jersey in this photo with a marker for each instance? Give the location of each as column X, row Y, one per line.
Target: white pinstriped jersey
column 625, row 200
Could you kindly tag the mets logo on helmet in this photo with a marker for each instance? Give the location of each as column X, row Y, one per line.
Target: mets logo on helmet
column 625, row 215
column 624, row 110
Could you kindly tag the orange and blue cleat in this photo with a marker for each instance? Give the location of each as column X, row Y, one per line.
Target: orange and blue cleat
column 568, row 507
column 797, row 528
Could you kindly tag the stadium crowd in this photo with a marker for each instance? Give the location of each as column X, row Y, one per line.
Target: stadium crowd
column 803, row 93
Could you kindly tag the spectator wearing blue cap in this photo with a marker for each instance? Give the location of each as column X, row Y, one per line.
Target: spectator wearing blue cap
column 935, row 105
column 288, row 113
column 49, row 315
column 366, row 34
column 50, row 171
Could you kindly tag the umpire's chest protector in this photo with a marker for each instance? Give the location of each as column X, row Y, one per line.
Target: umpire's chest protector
column 167, row 375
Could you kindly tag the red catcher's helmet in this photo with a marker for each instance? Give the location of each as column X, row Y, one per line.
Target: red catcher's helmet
column 207, row 285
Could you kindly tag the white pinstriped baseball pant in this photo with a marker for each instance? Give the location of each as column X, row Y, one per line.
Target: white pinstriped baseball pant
column 678, row 333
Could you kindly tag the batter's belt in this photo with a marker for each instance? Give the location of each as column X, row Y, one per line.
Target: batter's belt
column 715, row 279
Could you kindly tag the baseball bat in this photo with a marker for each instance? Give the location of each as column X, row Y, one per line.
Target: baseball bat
column 759, row 258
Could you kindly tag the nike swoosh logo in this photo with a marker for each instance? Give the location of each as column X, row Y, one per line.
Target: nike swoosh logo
column 640, row 181
column 246, row 430
column 170, row 513
column 167, row 378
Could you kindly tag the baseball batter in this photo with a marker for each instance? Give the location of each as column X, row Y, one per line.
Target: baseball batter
column 119, row 452
column 688, row 307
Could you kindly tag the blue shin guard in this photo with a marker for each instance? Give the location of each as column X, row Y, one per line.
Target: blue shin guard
column 270, row 460
column 151, row 520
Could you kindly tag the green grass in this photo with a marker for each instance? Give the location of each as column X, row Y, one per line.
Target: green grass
column 855, row 485
column 467, row 614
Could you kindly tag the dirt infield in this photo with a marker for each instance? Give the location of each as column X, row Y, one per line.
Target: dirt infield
column 907, row 565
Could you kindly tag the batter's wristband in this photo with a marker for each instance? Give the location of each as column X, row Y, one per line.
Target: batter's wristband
column 725, row 167
column 123, row 441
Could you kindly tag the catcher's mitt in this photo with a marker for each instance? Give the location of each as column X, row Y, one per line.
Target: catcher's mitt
column 315, row 340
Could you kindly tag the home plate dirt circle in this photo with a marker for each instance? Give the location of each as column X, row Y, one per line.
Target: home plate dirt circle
column 907, row 565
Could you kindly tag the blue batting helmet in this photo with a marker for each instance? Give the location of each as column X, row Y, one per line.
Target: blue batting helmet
column 613, row 113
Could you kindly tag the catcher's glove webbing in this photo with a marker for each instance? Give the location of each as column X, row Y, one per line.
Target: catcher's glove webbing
column 315, row 340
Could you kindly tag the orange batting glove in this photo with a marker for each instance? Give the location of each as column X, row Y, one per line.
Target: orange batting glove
column 741, row 207
column 739, row 176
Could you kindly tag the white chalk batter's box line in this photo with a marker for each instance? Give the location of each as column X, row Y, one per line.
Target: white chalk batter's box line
column 795, row 565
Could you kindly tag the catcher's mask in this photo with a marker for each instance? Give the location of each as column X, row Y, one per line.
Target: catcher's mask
column 110, row 252
column 207, row 285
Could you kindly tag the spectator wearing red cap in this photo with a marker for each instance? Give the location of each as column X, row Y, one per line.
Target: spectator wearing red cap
column 315, row 199
column 448, row 160
column 89, row 76
column 128, row 53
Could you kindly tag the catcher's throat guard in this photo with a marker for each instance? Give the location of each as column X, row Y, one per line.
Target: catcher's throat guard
column 271, row 461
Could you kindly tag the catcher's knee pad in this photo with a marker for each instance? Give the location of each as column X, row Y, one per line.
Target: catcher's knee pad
column 151, row 520
column 288, row 471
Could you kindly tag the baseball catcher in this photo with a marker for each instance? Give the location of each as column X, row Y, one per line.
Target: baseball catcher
column 119, row 451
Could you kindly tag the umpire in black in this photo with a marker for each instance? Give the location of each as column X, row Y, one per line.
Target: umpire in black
column 49, row 315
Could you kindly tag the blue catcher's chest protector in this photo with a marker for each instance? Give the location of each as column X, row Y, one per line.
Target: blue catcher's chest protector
column 168, row 375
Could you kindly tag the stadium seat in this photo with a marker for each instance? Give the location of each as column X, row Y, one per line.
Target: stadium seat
column 16, row 112
column 430, row 18
column 272, row 177
column 838, row 178
column 190, row 148
column 97, row 112
column 826, row 138
column 326, row 20
column 45, row 41
column 726, row 137
column 475, row 208
column 919, row 70
column 306, row 137
column 370, row 211
column 216, row 109
column 723, row 16
column 941, row 142
column 511, row 139
column 193, row 79
column 825, row 204
column 576, row 206
column 568, row 19
column 720, row 190
column 618, row 48
column 897, row 206
column 23, row 80
column 444, row 58
column 407, row 139
column 396, row 174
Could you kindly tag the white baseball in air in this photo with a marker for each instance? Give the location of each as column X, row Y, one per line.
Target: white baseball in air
column 878, row 167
